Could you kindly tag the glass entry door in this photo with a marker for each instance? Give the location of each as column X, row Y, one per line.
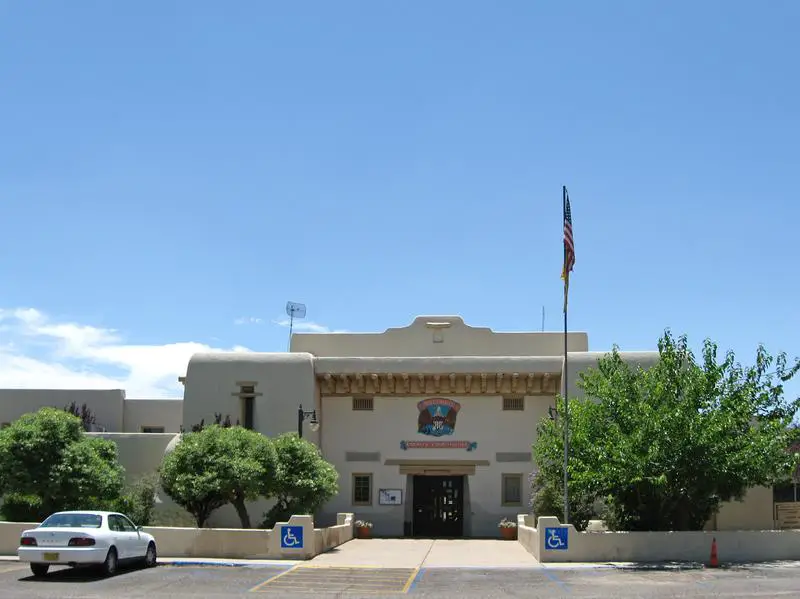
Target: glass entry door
column 438, row 506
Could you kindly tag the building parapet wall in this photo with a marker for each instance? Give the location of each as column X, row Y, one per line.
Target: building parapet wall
column 438, row 336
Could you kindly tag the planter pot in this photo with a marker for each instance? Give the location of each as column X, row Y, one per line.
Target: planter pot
column 508, row 533
column 363, row 532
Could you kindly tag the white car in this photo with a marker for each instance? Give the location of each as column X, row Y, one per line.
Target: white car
column 86, row 539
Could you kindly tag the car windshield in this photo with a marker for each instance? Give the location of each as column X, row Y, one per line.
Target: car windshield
column 72, row 521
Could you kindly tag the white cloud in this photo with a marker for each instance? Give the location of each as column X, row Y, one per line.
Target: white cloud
column 304, row 326
column 249, row 320
column 40, row 353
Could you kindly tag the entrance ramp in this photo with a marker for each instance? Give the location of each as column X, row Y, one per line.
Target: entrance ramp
column 426, row 553
column 478, row 553
column 376, row 553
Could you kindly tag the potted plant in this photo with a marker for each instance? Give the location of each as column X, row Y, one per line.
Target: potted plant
column 363, row 529
column 508, row 529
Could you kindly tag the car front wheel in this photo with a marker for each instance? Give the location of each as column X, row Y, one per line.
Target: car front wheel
column 151, row 556
column 40, row 569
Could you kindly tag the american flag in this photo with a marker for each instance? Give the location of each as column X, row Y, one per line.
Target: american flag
column 569, row 242
column 569, row 247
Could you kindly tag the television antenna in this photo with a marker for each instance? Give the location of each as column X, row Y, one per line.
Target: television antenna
column 294, row 310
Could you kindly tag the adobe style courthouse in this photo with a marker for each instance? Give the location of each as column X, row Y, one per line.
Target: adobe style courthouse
column 429, row 425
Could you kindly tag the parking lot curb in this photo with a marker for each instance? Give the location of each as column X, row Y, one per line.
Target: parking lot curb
column 223, row 563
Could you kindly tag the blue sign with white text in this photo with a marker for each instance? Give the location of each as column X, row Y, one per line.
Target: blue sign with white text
column 556, row 539
column 291, row 537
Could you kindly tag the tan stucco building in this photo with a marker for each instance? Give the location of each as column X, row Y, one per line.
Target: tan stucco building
column 429, row 425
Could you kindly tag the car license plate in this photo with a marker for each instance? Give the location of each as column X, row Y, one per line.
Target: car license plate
column 51, row 557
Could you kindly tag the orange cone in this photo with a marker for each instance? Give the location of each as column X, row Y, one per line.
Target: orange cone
column 714, row 562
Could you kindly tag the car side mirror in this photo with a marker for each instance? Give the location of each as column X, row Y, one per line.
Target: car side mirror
column 140, row 528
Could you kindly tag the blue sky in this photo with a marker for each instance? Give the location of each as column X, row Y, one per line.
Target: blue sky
column 171, row 169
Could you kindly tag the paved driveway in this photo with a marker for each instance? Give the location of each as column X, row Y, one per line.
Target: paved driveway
column 305, row 580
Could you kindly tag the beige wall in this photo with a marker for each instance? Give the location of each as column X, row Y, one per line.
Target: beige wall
column 394, row 419
column 139, row 453
column 457, row 339
column 754, row 512
column 105, row 404
column 692, row 546
column 283, row 380
column 223, row 543
column 152, row 412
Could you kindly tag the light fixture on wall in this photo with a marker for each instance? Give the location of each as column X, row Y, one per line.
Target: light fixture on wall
column 553, row 413
column 303, row 415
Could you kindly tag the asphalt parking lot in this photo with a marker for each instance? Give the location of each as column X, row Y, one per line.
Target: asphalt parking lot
column 167, row 582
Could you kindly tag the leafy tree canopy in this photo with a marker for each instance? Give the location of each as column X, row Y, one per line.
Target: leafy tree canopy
column 304, row 480
column 661, row 448
column 47, row 464
column 219, row 465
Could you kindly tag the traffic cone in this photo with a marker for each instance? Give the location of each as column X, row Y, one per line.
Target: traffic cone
column 714, row 562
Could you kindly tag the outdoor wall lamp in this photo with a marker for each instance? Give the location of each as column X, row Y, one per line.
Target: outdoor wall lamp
column 303, row 415
column 553, row 412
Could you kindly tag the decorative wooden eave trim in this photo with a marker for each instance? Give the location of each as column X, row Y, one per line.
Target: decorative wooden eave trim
column 345, row 384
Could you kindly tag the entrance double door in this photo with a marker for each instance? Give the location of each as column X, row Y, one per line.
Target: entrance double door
column 438, row 506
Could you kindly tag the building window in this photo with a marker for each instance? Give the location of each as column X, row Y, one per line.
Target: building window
column 152, row 429
column 512, row 490
column 363, row 404
column 514, row 403
column 362, row 489
column 247, row 395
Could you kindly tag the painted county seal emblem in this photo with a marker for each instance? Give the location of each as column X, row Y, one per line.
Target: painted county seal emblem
column 437, row 416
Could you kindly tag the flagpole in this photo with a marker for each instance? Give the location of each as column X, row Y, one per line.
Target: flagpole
column 566, row 390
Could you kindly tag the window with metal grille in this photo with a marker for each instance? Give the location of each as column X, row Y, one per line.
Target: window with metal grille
column 362, row 489
column 364, row 404
column 514, row 403
column 512, row 489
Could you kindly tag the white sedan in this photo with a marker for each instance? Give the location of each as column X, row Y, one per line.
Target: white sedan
column 86, row 539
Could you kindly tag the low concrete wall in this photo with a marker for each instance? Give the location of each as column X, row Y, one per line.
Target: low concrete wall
column 692, row 546
column 10, row 532
column 300, row 539
column 326, row 539
column 528, row 535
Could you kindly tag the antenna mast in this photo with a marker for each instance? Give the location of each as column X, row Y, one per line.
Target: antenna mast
column 294, row 310
column 542, row 319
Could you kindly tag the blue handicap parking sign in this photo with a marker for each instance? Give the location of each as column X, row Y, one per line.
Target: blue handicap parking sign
column 556, row 539
column 291, row 537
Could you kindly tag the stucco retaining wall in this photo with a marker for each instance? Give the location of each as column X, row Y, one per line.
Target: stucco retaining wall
column 693, row 546
column 225, row 543
column 527, row 534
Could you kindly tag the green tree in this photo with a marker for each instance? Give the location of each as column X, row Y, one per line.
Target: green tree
column 665, row 446
column 218, row 465
column 47, row 464
column 304, row 481
column 139, row 500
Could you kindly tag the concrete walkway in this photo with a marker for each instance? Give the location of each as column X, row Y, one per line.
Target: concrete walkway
column 426, row 553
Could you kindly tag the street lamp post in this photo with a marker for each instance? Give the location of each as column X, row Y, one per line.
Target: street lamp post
column 311, row 416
